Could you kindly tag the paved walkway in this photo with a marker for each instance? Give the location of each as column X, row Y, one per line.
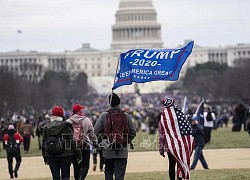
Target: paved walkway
column 33, row 167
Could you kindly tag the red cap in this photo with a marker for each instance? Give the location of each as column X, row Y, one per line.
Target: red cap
column 57, row 111
column 77, row 107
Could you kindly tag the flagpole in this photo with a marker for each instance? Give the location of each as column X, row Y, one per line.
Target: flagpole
column 115, row 77
column 17, row 44
column 18, row 32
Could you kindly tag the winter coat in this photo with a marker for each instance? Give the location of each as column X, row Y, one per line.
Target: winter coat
column 209, row 123
column 88, row 130
column 111, row 153
column 27, row 130
column 17, row 136
column 199, row 135
column 56, row 127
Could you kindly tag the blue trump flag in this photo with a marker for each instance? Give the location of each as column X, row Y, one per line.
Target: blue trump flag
column 145, row 65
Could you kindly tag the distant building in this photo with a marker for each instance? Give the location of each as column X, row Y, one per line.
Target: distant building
column 136, row 26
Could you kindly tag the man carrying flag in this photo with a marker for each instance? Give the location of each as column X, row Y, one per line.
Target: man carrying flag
column 176, row 138
column 198, row 127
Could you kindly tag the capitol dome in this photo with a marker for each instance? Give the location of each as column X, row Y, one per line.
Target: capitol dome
column 136, row 26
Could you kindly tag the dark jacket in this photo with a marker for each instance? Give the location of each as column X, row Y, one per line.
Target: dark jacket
column 57, row 127
column 99, row 130
column 199, row 135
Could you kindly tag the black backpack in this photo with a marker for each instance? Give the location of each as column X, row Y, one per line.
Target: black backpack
column 12, row 146
column 209, row 116
column 54, row 145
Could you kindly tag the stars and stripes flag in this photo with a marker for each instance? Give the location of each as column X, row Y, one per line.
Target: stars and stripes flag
column 178, row 136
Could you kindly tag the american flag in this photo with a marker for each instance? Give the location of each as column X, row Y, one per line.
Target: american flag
column 179, row 141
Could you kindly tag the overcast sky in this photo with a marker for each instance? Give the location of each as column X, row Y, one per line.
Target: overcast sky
column 57, row 25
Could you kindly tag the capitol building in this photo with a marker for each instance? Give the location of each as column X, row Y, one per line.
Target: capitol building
column 136, row 26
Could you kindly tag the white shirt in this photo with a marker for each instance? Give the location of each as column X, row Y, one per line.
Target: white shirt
column 209, row 123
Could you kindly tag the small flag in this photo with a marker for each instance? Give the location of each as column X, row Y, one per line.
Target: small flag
column 145, row 65
column 200, row 113
column 184, row 108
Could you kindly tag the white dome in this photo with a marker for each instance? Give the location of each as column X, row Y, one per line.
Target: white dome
column 136, row 26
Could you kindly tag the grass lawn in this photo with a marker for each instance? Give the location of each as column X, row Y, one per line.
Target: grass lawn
column 222, row 174
column 221, row 138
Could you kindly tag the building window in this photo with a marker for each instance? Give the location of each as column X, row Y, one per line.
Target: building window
column 109, row 65
column 85, row 65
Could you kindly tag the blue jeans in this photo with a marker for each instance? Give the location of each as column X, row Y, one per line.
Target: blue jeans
column 198, row 155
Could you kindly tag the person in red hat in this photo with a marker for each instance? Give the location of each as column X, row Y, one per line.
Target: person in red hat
column 12, row 141
column 57, row 138
column 84, row 136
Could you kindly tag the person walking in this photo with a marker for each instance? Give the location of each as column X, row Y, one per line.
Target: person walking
column 175, row 131
column 199, row 144
column 209, row 120
column 42, row 121
column 240, row 116
column 12, row 141
column 58, row 145
column 84, row 136
column 26, row 131
column 3, row 131
column 115, row 129
column 96, row 151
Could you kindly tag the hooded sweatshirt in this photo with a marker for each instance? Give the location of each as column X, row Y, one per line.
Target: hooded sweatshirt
column 88, row 130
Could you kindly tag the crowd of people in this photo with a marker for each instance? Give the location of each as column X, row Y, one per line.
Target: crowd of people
column 91, row 120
